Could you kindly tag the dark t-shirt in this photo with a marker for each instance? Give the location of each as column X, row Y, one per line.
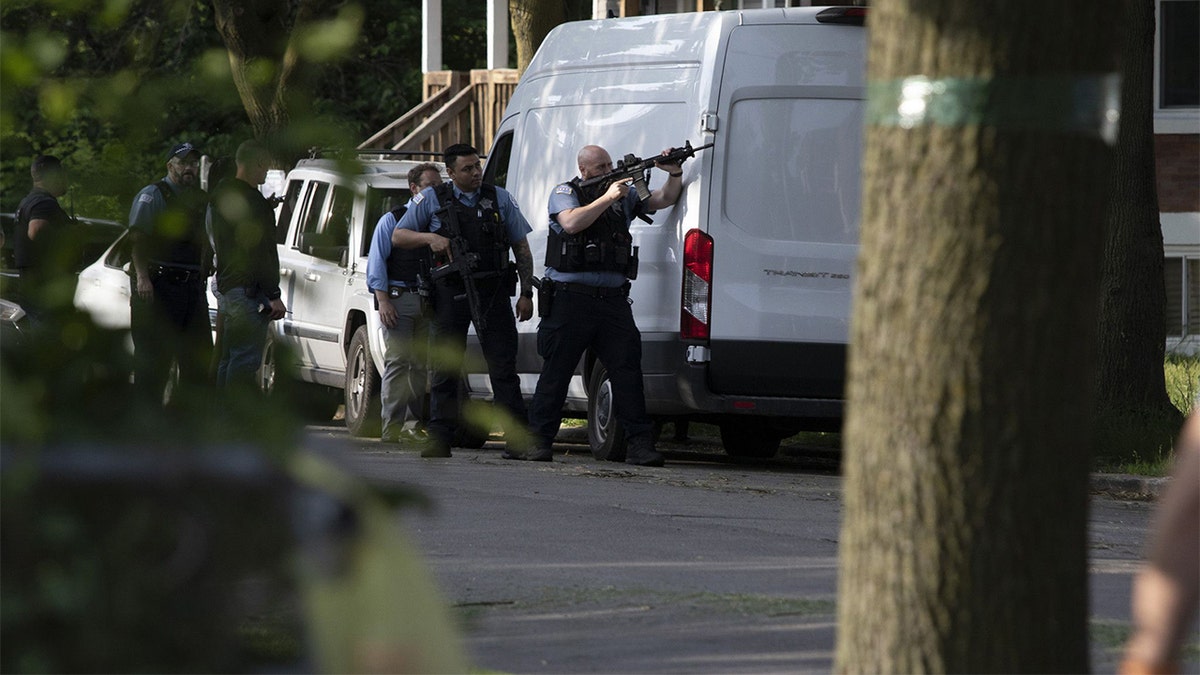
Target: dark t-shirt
column 37, row 205
column 243, row 224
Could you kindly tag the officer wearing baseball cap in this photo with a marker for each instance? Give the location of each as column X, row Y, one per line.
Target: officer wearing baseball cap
column 171, row 259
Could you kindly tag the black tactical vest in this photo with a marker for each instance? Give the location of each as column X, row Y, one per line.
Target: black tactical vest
column 481, row 226
column 179, row 236
column 404, row 264
column 605, row 246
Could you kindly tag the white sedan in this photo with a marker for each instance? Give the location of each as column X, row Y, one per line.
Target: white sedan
column 103, row 287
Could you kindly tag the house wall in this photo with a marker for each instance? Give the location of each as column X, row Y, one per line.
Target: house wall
column 1177, row 159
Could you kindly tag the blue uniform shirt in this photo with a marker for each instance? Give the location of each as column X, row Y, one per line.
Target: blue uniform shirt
column 421, row 208
column 381, row 249
column 563, row 198
column 147, row 205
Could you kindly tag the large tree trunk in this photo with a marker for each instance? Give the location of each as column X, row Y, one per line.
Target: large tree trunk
column 969, row 400
column 531, row 21
column 1134, row 415
column 263, row 56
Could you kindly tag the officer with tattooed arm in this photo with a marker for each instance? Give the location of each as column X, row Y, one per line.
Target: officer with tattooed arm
column 487, row 222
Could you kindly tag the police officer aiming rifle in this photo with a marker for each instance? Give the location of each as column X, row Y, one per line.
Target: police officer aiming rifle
column 583, row 299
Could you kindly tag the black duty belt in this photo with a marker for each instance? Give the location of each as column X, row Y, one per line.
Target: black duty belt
column 397, row 291
column 176, row 275
column 621, row 291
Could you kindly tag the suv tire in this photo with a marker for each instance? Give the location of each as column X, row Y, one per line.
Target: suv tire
column 362, row 388
column 606, row 435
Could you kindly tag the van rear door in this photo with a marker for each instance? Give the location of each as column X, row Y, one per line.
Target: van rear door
column 784, row 211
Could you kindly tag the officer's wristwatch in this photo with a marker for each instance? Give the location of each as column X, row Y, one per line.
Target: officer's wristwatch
column 527, row 294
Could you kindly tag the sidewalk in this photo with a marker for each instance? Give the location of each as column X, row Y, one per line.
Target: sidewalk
column 1127, row 486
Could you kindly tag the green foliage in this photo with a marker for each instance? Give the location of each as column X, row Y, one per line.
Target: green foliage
column 109, row 85
column 129, row 531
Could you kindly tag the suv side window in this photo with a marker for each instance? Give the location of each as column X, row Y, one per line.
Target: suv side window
column 314, row 210
column 286, row 210
column 379, row 202
column 340, row 210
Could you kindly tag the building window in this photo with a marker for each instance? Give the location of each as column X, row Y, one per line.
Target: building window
column 1179, row 55
column 1182, row 275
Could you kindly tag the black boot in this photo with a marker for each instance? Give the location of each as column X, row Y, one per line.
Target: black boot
column 640, row 451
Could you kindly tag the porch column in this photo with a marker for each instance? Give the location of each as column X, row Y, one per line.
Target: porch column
column 431, row 35
column 497, row 34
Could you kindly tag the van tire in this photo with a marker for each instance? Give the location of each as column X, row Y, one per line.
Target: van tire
column 362, row 388
column 750, row 438
column 606, row 435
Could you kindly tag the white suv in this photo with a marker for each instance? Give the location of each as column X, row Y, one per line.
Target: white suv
column 332, row 328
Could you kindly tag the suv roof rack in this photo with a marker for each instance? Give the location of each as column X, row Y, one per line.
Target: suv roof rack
column 339, row 153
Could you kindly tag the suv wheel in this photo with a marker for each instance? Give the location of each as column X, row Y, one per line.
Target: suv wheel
column 606, row 436
column 362, row 388
column 268, row 368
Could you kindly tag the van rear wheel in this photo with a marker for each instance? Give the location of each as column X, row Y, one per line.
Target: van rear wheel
column 750, row 438
column 362, row 388
column 606, row 435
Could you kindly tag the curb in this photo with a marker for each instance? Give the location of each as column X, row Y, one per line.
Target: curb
column 1127, row 486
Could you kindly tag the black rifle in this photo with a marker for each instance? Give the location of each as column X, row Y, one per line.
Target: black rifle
column 462, row 263
column 639, row 169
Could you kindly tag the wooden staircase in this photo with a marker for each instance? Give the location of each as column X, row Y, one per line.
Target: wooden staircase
column 459, row 107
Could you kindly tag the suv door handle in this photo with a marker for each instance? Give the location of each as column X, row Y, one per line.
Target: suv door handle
column 312, row 276
column 285, row 271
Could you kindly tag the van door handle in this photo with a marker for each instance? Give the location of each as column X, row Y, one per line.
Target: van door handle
column 312, row 276
column 285, row 272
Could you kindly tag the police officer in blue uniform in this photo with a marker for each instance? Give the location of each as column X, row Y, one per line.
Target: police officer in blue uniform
column 393, row 275
column 489, row 219
column 167, row 306
column 589, row 262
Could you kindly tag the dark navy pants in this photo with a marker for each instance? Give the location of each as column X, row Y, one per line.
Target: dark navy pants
column 452, row 315
column 173, row 328
column 579, row 322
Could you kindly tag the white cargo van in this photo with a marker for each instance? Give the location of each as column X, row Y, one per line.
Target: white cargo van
column 743, row 294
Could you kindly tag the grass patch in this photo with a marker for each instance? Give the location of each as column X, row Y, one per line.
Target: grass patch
column 1137, row 445
column 1182, row 374
column 271, row 639
column 1112, row 636
column 741, row 604
column 1159, row 465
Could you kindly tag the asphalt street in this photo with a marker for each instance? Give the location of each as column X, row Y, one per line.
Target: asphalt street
column 706, row 565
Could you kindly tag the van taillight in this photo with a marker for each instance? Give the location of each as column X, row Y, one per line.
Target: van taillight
column 697, row 286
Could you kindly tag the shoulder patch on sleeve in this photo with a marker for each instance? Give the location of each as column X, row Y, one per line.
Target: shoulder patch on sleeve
column 145, row 198
column 418, row 198
column 562, row 190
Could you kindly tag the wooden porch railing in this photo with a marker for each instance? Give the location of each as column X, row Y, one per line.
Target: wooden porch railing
column 458, row 108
